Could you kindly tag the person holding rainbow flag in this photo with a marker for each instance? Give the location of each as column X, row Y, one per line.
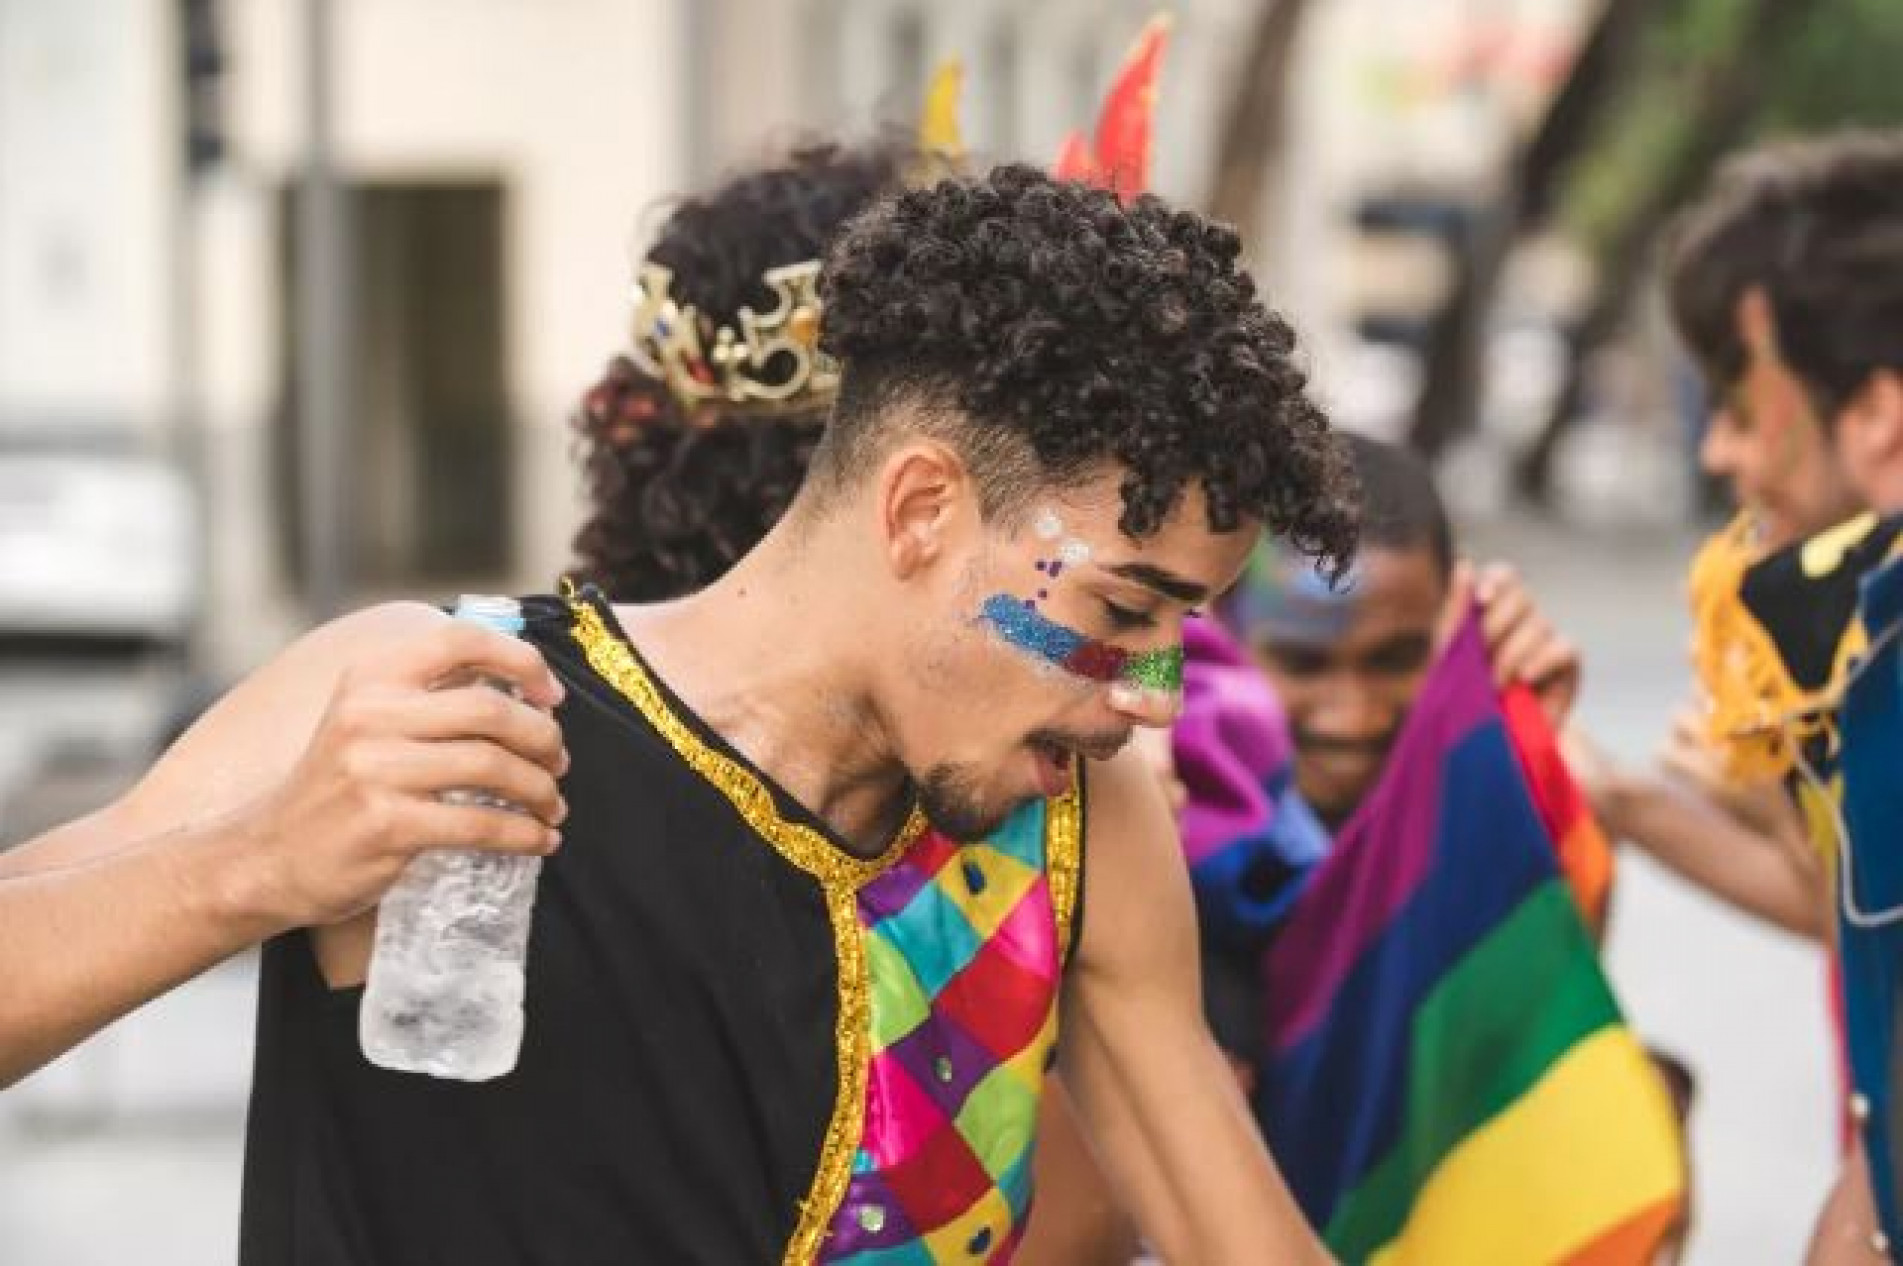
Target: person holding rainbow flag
column 1399, row 889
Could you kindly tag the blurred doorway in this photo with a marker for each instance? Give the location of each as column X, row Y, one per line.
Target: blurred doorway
column 430, row 442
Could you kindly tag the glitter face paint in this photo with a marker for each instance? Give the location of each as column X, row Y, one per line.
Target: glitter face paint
column 1073, row 553
column 1049, row 526
column 1160, row 670
column 1018, row 622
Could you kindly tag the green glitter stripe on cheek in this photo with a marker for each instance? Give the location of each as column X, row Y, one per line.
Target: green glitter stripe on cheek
column 1156, row 670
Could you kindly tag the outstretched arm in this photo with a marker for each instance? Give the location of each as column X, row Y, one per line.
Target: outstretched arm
column 1744, row 846
column 1154, row 1091
column 297, row 800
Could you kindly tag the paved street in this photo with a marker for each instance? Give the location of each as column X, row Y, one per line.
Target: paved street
column 128, row 1150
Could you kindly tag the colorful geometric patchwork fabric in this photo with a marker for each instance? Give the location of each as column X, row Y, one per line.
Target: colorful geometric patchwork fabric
column 964, row 951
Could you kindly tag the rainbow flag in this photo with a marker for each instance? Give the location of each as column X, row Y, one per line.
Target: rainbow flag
column 1250, row 841
column 1447, row 1076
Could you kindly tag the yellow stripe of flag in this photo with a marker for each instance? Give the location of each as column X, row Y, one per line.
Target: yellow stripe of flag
column 1556, row 1170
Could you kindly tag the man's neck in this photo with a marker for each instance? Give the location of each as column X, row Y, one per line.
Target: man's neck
column 1888, row 504
column 773, row 662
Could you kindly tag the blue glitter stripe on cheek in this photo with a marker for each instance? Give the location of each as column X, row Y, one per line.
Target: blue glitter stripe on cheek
column 1025, row 629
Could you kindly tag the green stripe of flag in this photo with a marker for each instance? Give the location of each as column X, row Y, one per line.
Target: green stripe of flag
column 1517, row 1002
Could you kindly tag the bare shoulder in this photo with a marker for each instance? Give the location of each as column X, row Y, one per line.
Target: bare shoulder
column 1137, row 893
column 1127, row 820
column 242, row 744
column 252, row 735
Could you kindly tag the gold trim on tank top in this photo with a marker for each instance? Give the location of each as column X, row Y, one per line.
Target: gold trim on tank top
column 840, row 877
column 1064, row 858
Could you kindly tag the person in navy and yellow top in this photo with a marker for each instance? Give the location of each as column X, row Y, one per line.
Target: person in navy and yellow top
column 1795, row 310
column 854, row 844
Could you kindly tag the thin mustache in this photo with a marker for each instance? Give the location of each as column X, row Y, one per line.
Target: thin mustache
column 1089, row 749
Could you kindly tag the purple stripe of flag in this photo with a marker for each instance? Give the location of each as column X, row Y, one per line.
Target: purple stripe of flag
column 1315, row 956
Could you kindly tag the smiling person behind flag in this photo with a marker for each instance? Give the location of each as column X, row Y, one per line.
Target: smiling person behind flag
column 1396, row 880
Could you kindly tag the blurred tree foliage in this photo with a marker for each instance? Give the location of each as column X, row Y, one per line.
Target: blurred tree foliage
column 1709, row 77
column 1842, row 65
column 1250, row 146
column 1841, row 69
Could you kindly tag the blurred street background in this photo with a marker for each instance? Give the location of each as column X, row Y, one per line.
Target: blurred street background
column 297, row 298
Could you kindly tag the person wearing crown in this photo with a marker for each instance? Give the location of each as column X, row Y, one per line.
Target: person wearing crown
column 680, row 482
column 680, row 479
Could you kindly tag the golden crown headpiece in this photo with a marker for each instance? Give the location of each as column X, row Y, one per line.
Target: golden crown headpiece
column 770, row 364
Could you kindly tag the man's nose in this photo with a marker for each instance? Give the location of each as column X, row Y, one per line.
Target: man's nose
column 1716, row 452
column 1147, row 706
column 1352, row 709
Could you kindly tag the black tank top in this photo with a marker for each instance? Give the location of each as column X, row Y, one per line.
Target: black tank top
column 704, row 1042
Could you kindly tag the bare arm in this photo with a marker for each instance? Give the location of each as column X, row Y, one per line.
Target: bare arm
column 82, row 945
column 295, row 801
column 1757, row 861
column 1848, row 1231
column 1701, row 842
column 1154, row 1091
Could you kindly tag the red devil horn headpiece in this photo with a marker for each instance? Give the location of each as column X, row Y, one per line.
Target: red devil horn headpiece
column 1119, row 160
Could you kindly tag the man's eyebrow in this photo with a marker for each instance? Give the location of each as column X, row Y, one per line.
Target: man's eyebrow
column 1167, row 583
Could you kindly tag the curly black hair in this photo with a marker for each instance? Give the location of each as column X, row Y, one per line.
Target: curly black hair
column 1053, row 330
column 1818, row 224
column 677, row 497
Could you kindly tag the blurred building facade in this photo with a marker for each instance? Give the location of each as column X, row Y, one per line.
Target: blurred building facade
column 501, row 162
column 494, row 155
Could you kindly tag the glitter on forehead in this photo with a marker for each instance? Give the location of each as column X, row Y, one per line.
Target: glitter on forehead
column 1073, row 553
column 1049, row 525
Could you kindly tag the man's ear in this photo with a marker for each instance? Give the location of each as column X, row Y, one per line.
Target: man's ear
column 923, row 495
column 1874, row 417
column 1757, row 330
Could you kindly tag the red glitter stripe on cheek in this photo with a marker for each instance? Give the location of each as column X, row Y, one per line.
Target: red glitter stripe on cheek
column 1097, row 661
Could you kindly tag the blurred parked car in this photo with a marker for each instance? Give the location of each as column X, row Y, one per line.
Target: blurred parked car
column 98, row 544
column 100, row 583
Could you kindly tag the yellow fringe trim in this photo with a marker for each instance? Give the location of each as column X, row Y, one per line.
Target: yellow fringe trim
column 1757, row 715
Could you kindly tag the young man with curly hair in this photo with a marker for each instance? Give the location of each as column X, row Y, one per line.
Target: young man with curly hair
column 851, row 826
column 680, row 488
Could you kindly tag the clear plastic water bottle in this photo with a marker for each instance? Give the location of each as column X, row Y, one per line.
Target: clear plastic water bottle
column 444, row 993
